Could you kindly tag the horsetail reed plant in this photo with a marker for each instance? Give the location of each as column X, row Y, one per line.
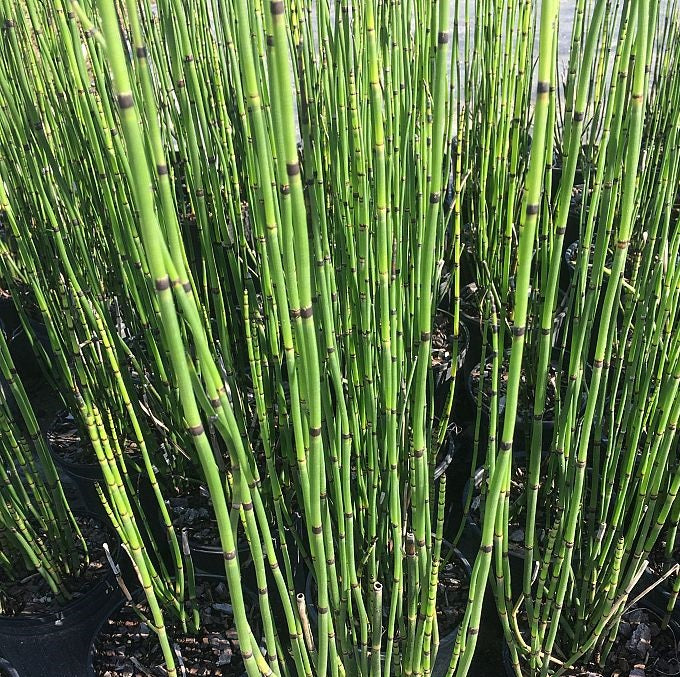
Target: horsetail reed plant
column 592, row 510
column 242, row 204
column 320, row 260
column 38, row 532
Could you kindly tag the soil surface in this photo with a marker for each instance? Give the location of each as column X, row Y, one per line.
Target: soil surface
column 65, row 439
column 470, row 301
column 659, row 564
column 193, row 512
column 452, row 595
column 442, row 341
column 30, row 593
column 642, row 649
column 526, row 389
column 127, row 647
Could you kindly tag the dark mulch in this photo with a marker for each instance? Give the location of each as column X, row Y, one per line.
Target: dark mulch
column 442, row 340
column 65, row 439
column 452, row 595
column 659, row 563
column 526, row 389
column 30, row 594
column 193, row 511
column 126, row 647
column 642, row 649
column 471, row 301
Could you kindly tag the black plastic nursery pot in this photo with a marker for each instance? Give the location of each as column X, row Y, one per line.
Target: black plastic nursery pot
column 658, row 597
column 208, row 560
column 56, row 643
column 442, row 364
column 446, row 458
column 84, row 475
column 23, row 353
column 470, row 298
column 441, row 356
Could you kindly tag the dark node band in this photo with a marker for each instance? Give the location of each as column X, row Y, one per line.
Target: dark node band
column 230, row 555
column 162, row 170
column 270, row 41
column 532, row 210
column 443, row 37
column 276, row 7
column 519, row 331
column 196, row 430
column 315, row 432
column 292, row 168
column 434, row 198
column 125, row 101
column 163, row 283
column 306, row 313
column 543, row 87
column 141, row 52
column 506, row 446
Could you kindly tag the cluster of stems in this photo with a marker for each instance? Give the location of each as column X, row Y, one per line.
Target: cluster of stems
column 234, row 224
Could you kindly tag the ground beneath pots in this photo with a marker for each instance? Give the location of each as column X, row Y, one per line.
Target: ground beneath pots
column 126, row 647
column 30, row 594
